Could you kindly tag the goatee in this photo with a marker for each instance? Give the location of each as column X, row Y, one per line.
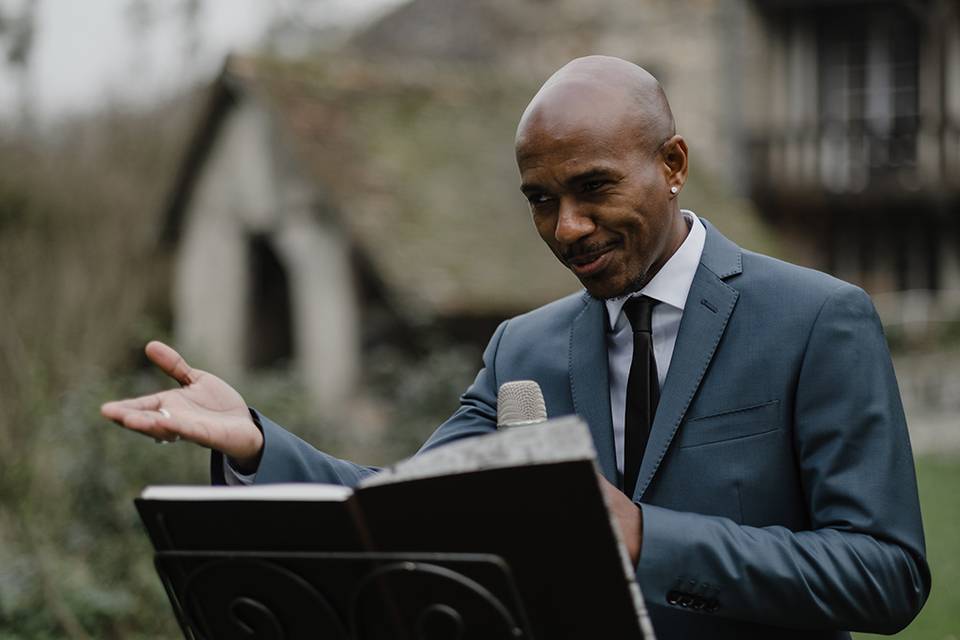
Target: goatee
column 635, row 285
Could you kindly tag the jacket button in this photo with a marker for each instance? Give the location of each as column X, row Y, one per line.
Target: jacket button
column 686, row 600
column 698, row 603
column 673, row 597
column 711, row 605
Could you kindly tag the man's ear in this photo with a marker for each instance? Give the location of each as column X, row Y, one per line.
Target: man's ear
column 674, row 154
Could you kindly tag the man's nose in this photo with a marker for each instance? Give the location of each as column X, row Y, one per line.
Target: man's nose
column 573, row 222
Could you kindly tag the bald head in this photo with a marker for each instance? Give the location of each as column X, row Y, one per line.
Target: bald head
column 601, row 166
column 604, row 90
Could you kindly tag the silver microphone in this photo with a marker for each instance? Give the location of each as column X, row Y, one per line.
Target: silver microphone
column 520, row 403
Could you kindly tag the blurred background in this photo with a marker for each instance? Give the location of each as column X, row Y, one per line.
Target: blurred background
column 318, row 201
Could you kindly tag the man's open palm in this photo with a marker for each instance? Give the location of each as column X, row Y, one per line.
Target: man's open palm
column 205, row 410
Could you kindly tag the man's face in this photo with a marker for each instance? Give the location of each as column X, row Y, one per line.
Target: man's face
column 600, row 199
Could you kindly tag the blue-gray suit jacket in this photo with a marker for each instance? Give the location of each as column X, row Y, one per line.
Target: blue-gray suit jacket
column 778, row 491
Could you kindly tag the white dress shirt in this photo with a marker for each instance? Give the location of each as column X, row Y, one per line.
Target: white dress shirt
column 670, row 287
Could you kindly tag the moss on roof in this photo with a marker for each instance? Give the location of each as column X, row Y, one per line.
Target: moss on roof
column 419, row 165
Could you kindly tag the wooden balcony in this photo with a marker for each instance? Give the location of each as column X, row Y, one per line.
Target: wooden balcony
column 856, row 164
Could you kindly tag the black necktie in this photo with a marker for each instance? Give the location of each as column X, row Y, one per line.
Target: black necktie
column 643, row 390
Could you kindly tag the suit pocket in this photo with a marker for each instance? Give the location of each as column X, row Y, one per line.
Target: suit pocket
column 730, row 425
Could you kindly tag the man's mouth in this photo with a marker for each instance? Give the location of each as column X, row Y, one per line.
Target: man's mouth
column 590, row 262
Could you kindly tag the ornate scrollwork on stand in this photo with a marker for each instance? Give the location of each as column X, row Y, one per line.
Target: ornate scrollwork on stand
column 428, row 602
column 247, row 599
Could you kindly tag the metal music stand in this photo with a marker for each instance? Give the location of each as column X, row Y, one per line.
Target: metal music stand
column 342, row 596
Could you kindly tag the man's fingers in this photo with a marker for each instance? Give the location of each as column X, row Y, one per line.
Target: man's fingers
column 144, row 415
column 117, row 409
column 150, row 423
column 605, row 485
column 169, row 361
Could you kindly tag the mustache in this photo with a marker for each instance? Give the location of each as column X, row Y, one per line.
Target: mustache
column 584, row 249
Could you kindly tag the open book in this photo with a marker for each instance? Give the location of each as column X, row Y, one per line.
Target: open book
column 520, row 509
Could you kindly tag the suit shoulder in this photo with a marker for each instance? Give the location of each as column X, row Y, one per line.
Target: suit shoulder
column 789, row 295
column 803, row 284
column 551, row 315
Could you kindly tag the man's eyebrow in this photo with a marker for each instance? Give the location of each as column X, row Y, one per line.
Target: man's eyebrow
column 527, row 188
column 592, row 174
column 584, row 176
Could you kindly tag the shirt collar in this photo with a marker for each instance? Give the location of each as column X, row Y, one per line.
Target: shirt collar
column 672, row 283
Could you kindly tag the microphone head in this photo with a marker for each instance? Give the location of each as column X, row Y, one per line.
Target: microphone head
column 520, row 403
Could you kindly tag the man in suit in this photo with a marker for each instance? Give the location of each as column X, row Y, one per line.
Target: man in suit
column 763, row 482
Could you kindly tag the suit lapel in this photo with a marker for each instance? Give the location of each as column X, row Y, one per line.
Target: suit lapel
column 588, row 381
column 705, row 315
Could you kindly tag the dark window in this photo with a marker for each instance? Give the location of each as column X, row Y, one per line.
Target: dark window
column 868, row 65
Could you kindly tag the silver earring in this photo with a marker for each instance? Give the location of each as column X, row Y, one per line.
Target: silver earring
column 674, row 190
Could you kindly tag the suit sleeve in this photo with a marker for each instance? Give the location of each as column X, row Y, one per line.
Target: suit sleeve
column 861, row 565
column 287, row 458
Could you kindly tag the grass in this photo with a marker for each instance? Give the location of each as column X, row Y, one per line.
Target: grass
column 938, row 477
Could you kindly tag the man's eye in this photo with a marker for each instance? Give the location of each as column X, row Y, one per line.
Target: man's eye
column 593, row 185
column 537, row 199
